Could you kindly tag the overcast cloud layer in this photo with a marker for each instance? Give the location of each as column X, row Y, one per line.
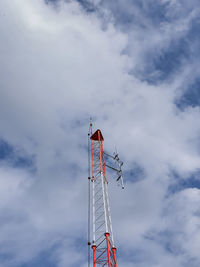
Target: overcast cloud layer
column 134, row 67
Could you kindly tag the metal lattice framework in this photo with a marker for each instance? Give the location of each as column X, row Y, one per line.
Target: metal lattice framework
column 104, row 251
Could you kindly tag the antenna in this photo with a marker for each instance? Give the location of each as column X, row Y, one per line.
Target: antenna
column 119, row 164
column 89, row 197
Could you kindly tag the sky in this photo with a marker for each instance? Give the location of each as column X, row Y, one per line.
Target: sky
column 133, row 66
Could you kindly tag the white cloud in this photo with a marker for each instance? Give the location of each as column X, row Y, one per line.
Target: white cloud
column 59, row 67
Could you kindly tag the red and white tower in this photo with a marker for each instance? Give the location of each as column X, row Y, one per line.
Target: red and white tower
column 103, row 247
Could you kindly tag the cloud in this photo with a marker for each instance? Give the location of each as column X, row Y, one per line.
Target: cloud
column 61, row 65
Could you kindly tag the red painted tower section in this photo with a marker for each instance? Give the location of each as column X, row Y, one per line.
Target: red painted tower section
column 103, row 248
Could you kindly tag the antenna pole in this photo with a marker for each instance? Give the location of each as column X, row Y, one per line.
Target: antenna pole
column 89, row 243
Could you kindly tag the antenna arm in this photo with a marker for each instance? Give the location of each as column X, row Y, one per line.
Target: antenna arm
column 112, row 168
column 109, row 155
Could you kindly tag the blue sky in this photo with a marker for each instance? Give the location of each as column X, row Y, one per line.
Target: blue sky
column 134, row 67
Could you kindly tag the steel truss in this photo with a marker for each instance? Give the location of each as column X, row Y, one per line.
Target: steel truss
column 104, row 251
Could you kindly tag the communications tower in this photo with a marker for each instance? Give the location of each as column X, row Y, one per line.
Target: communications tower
column 102, row 244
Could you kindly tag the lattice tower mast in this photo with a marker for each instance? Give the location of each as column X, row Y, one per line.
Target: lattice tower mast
column 103, row 247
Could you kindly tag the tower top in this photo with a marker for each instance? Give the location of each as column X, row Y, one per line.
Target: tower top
column 95, row 136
